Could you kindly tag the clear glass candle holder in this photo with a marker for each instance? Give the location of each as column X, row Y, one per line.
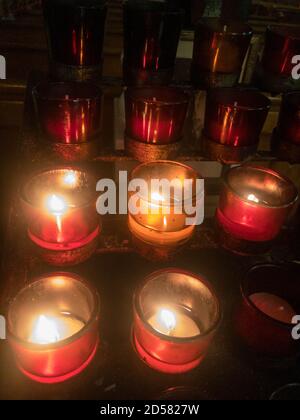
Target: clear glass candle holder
column 255, row 202
column 176, row 316
column 161, row 222
column 60, row 209
column 270, row 299
column 53, row 327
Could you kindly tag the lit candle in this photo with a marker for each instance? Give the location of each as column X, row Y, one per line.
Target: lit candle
column 255, row 202
column 53, row 327
column 162, row 221
column 176, row 315
column 273, row 306
column 60, row 208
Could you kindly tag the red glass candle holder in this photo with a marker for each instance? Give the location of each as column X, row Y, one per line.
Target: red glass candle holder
column 286, row 137
column 151, row 36
column 160, row 228
column 233, row 123
column 69, row 118
column 155, row 119
column 275, row 72
column 75, row 31
column 176, row 316
column 254, row 205
column 264, row 319
column 220, row 49
column 53, row 327
column 60, row 209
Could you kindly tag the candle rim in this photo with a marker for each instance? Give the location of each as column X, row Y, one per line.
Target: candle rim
column 43, row 91
column 215, row 24
column 195, row 176
column 90, row 178
column 137, row 308
column 270, row 172
column 246, row 296
column 145, row 94
column 94, row 316
column 218, row 96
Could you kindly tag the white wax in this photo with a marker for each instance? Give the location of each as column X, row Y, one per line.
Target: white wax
column 273, row 306
column 51, row 329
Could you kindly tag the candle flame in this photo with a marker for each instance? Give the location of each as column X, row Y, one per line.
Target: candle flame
column 70, row 179
column 157, row 197
column 252, row 197
column 45, row 331
column 167, row 319
column 56, row 205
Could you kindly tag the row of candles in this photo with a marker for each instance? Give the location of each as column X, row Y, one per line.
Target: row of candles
column 152, row 30
column 53, row 322
column 70, row 114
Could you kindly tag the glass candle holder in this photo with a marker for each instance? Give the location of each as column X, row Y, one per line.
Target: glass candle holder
column 69, row 118
column 281, row 45
column 53, row 327
column 151, row 36
column 233, row 123
column 220, row 49
column 160, row 225
column 75, row 32
column 176, row 316
column 286, row 136
column 270, row 300
column 289, row 392
column 60, row 208
column 155, row 119
column 254, row 204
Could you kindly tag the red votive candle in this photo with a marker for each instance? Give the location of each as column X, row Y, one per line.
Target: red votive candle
column 281, row 45
column 235, row 117
column 288, row 128
column 176, row 315
column 75, row 32
column 60, row 208
column 270, row 300
column 151, row 35
column 53, row 327
column 156, row 115
column 220, row 49
column 68, row 112
column 255, row 203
